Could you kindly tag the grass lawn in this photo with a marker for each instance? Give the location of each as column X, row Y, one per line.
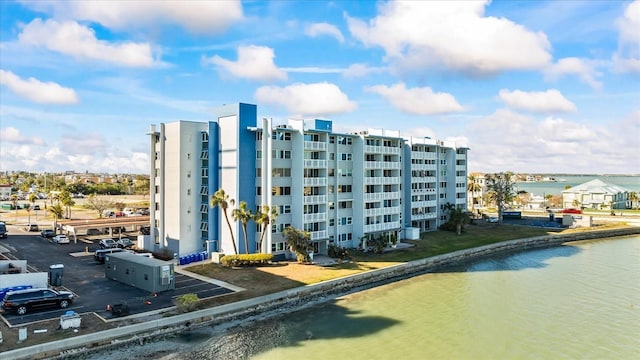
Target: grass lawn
column 262, row 280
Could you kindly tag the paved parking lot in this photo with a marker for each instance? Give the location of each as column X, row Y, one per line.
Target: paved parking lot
column 86, row 279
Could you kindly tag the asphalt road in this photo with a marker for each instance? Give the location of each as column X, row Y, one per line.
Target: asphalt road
column 86, row 279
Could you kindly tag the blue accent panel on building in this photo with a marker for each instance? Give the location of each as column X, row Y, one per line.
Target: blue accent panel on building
column 323, row 125
column 214, row 184
column 247, row 117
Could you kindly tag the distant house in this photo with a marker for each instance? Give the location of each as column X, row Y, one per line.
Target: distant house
column 596, row 194
column 5, row 191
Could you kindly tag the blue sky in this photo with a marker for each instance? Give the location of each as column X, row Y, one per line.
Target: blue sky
column 529, row 86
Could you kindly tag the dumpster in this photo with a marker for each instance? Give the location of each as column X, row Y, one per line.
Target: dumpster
column 70, row 319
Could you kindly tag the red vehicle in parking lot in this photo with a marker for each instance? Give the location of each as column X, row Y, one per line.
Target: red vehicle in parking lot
column 572, row 211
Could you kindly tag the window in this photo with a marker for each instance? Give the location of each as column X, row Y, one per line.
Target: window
column 188, row 156
column 345, row 204
column 345, row 157
column 188, row 191
column 280, row 190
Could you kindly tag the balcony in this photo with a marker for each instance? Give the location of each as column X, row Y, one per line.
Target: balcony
column 395, row 225
column 315, row 164
column 315, row 199
column 315, row 145
column 318, row 235
column 317, row 217
column 389, row 180
column 315, row 181
column 382, row 211
column 387, row 150
column 431, row 155
column 387, row 165
column 382, row 196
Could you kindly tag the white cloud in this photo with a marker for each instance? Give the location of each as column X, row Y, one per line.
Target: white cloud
column 254, row 62
column 585, row 70
column 627, row 58
column 537, row 101
column 38, row 91
column 421, row 101
column 200, row 17
column 361, row 70
column 306, row 99
column 456, row 35
column 506, row 140
column 13, row 135
column 319, row 29
column 71, row 38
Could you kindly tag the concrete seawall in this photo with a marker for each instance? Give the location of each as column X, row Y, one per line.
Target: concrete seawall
column 225, row 316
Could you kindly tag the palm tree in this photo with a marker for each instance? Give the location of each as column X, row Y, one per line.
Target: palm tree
column 222, row 200
column 243, row 215
column 57, row 211
column 264, row 217
column 67, row 201
column 473, row 187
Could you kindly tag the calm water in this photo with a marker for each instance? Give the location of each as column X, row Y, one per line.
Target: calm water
column 631, row 183
column 580, row 301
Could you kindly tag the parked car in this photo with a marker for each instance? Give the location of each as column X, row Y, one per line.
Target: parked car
column 3, row 230
column 61, row 239
column 125, row 243
column 107, row 244
column 47, row 233
column 32, row 227
column 493, row 219
column 145, row 230
column 36, row 207
column 99, row 255
column 23, row 301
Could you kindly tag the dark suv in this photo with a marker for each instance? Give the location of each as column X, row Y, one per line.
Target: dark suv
column 23, row 301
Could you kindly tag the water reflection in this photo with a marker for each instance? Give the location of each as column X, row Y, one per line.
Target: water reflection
column 534, row 259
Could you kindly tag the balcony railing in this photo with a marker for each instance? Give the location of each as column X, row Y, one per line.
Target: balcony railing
column 372, row 149
column 382, row 227
column 382, row 211
column 382, row 180
column 315, row 145
column 315, row 164
column 315, row 199
column 388, row 165
column 318, row 235
column 317, row 217
column 382, row 196
column 315, row 181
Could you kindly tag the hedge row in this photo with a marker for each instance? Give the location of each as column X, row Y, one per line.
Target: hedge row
column 246, row 259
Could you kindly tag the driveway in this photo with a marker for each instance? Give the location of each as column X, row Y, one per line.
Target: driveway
column 86, row 279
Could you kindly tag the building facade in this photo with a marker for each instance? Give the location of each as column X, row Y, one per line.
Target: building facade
column 596, row 194
column 347, row 190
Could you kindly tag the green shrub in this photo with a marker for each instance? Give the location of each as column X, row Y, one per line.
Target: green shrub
column 338, row 252
column 186, row 302
column 246, row 259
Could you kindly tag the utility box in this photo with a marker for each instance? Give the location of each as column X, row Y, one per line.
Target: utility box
column 55, row 274
column 145, row 273
column 70, row 319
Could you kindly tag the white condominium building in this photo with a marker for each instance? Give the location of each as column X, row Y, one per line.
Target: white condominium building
column 346, row 190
